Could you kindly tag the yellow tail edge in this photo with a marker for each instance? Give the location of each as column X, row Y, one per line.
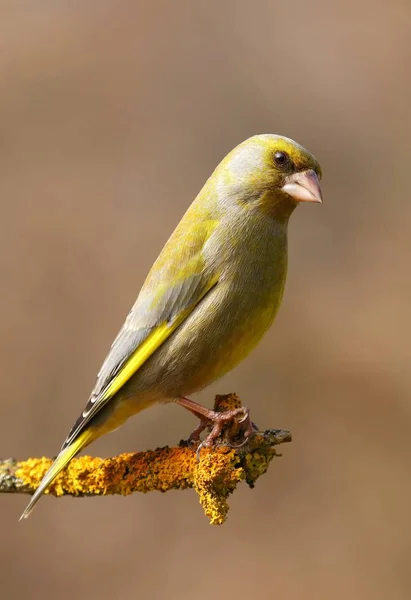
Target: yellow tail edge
column 58, row 465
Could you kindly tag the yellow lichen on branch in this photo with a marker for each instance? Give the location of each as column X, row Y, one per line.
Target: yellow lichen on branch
column 214, row 477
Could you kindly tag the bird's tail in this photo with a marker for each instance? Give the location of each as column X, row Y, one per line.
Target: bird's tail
column 58, row 465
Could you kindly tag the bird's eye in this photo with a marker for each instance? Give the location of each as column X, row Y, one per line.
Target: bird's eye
column 281, row 158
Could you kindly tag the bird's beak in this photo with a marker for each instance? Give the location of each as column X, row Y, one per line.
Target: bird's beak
column 303, row 187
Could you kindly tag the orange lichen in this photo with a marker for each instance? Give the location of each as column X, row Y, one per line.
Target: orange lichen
column 214, row 477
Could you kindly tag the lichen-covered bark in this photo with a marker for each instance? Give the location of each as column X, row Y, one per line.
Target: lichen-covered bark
column 214, row 477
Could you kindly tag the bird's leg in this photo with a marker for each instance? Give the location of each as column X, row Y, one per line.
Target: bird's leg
column 196, row 433
column 218, row 420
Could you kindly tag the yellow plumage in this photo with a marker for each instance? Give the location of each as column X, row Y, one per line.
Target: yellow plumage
column 210, row 296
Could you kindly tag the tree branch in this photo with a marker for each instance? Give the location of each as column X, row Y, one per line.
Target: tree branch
column 214, row 477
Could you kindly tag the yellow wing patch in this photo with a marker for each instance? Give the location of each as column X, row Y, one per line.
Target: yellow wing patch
column 146, row 349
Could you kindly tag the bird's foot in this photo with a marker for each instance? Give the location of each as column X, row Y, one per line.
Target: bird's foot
column 234, row 426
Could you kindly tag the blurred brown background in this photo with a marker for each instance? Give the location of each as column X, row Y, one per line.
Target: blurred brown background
column 112, row 115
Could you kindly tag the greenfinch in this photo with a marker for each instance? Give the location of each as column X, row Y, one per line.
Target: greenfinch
column 209, row 298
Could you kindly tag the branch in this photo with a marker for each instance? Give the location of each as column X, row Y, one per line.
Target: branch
column 214, row 477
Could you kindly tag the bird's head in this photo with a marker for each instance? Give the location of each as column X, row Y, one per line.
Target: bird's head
column 271, row 172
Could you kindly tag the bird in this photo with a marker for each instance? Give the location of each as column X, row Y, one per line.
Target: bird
column 209, row 298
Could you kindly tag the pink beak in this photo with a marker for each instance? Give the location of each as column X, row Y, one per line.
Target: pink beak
column 303, row 187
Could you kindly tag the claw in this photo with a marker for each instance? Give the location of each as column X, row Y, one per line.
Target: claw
column 200, row 447
column 243, row 443
column 234, row 422
column 245, row 416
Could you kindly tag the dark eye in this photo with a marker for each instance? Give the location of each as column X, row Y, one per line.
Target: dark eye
column 281, row 159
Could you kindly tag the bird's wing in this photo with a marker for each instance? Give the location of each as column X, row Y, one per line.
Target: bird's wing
column 176, row 284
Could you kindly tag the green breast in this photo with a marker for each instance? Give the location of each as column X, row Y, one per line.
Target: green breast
column 231, row 319
column 236, row 315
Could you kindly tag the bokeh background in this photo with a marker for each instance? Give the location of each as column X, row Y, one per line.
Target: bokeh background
column 112, row 115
